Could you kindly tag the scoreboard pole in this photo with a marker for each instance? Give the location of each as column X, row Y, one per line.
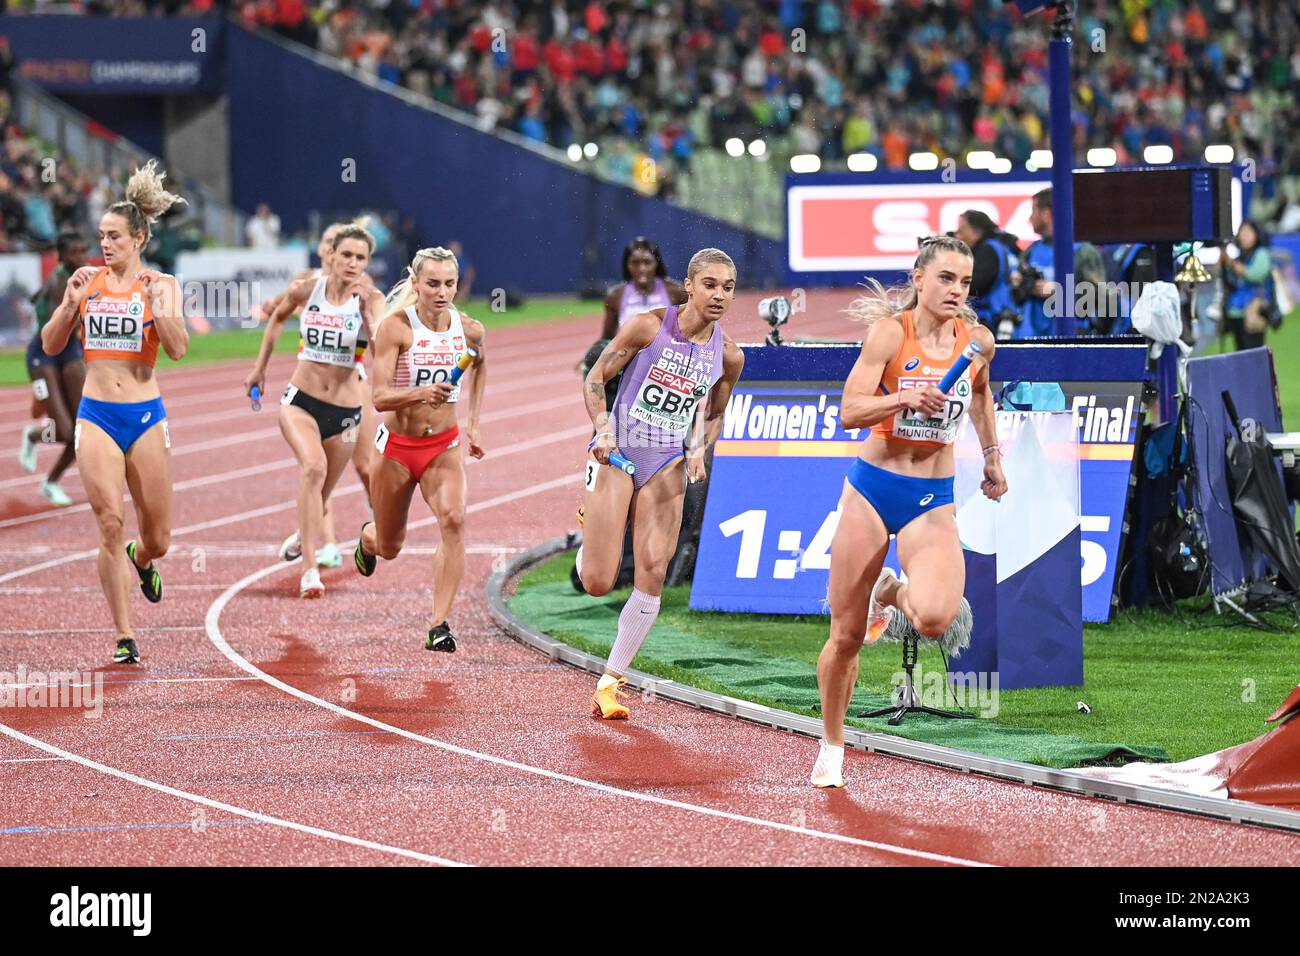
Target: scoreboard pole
column 1062, row 162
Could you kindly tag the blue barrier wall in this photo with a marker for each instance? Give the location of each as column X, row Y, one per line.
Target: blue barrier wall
column 146, row 55
column 528, row 222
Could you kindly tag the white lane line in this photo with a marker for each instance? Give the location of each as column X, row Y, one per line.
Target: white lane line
column 219, row 805
column 141, row 680
column 245, row 439
column 31, row 759
column 94, row 630
column 353, row 488
column 213, row 623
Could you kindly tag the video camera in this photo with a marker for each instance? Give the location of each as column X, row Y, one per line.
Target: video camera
column 775, row 311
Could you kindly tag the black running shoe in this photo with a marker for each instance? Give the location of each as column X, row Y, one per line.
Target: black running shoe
column 440, row 639
column 150, row 579
column 365, row 562
column 127, row 652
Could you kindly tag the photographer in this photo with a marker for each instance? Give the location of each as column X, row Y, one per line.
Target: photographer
column 1033, row 285
column 990, row 284
column 1249, row 306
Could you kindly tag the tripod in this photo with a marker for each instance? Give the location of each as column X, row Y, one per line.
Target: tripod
column 909, row 701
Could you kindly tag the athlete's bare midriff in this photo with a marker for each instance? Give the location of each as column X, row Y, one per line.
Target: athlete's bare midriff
column 908, row 458
column 113, row 380
column 335, row 384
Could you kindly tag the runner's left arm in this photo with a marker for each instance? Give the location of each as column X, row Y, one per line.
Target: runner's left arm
column 475, row 335
column 982, row 416
column 708, row 420
column 168, row 312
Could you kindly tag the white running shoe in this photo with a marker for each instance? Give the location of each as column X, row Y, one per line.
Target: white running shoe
column 291, row 550
column 828, row 771
column 329, row 556
column 27, row 452
column 54, row 494
column 879, row 615
column 310, row 586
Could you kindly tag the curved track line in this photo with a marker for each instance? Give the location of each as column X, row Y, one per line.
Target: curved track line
column 218, row 805
column 213, row 623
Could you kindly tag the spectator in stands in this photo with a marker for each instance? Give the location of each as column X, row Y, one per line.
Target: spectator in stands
column 263, row 228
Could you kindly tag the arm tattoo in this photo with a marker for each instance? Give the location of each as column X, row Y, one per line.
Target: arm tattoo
column 612, row 357
column 596, row 389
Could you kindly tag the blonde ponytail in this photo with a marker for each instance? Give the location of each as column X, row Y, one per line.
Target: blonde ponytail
column 146, row 199
column 879, row 302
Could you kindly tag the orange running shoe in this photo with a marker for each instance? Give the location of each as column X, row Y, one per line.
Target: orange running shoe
column 605, row 703
column 879, row 615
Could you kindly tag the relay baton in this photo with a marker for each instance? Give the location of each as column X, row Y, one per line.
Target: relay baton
column 958, row 367
column 255, row 394
column 621, row 463
column 465, row 361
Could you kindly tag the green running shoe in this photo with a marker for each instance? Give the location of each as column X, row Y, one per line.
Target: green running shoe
column 440, row 639
column 127, row 652
column 150, row 580
column 366, row 562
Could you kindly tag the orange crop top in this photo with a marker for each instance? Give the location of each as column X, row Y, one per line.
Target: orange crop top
column 118, row 325
column 912, row 368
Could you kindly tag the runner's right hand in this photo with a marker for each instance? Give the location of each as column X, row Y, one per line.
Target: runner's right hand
column 438, row 394
column 77, row 285
column 605, row 444
column 927, row 399
column 256, row 377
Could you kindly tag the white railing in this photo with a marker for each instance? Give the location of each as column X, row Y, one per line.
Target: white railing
column 68, row 131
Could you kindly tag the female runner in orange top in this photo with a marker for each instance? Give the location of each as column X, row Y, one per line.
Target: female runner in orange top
column 901, row 483
column 121, row 438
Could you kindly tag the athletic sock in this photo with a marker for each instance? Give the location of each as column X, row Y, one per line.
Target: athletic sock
column 606, row 680
column 634, row 623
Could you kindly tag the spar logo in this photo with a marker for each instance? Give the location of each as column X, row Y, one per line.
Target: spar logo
column 136, row 307
column 848, row 228
column 912, row 363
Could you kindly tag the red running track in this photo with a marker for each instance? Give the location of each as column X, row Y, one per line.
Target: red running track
column 262, row 729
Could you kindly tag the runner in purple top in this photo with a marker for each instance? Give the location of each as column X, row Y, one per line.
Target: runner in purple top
column 680, row 370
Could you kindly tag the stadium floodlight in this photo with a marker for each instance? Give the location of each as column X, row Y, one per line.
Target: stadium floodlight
column 1041, row 159
column 590, row 150
column 575, row 152
column 1000, row 166
column 805, row 163
column 1102, row 156
column 1219, row 153
column 980, row 158
column 923, row 162
column 757, row 148
column 735, row 147
column 862, row 163
column 1158, row 155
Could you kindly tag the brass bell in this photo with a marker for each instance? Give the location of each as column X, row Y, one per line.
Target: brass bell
column 1193, row 271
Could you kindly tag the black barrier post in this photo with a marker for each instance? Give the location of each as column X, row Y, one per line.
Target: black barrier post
column 1058, row 54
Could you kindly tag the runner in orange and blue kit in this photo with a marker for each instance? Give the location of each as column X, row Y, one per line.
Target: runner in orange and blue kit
column 901, row 483
column 125, row 312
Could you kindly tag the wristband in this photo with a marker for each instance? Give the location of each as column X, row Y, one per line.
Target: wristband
column 990, row 448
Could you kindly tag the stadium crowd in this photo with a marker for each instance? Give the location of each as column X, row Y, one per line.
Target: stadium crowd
column 891, row 77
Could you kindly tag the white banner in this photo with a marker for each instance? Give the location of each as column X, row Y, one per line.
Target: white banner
column 223, row 284
column 20, row 276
